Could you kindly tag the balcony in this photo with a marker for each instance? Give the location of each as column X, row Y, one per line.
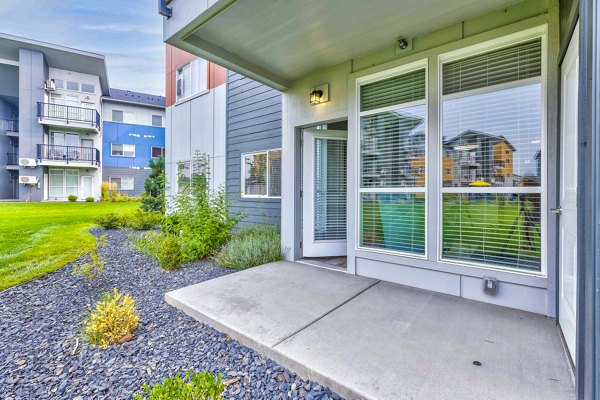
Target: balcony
column 10, row 126
column 53, row 155
column 12, row 160
column 75, row 117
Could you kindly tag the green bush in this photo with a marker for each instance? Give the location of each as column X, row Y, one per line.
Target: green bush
column 89, row 199
column 143, row 221
column 154, row 197
column 251, row 247
column 72, row 198
column 194, row 386
column 165, row 247
column 111, row 221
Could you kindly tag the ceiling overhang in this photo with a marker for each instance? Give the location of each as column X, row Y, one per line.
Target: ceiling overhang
column 277, row 42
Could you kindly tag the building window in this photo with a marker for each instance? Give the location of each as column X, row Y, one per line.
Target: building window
column 491, row 206
column 261, row 174
column 117, row 116
column 123, row 183
column 158, row 152
column 157, row 120
column 63, row 183
column 122, row 150
column 393, row 163
column 73, row 86
column 85, row 88
column 189, row 171
column 192, row 78
column 59, row 83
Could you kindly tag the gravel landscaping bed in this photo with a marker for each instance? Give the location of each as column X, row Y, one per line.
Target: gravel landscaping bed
column 43, row 356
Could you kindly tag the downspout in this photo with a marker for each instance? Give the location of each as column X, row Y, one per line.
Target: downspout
column 588, row 203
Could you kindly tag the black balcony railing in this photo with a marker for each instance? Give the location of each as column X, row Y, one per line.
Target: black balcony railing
column 9, row 125
column 12, row 158
column 68, row 154
column 68, row 113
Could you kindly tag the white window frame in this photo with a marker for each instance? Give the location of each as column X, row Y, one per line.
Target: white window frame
column 122, row 155
column 379, row 76
column 162, row 122
column 64, row 181
column 121, row 179
column 243, row 175
column 479, row 48
column 112, row 116
column 194, row 79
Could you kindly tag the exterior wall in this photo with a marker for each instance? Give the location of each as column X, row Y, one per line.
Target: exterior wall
column 33, row 72
column 7, row 145
column 140, row 133
column 55, row 73
column 139, row 177
column 253, row 124
column 195, row 124
column 529, row 292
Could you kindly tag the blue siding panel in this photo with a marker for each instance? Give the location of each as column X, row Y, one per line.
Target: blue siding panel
column 144, row 137
column 253, row 124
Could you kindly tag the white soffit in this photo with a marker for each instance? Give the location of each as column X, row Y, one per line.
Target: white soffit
column 292, row 38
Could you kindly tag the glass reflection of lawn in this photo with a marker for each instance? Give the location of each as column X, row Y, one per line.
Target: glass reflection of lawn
column 492, row 229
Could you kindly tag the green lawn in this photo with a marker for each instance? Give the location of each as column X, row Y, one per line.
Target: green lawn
column 36, row 238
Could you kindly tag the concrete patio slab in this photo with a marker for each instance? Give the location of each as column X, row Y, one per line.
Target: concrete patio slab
column 377, row 340
column 265, row 305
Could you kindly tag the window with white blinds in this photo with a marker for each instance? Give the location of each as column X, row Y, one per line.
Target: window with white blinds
column 330, row 189
column 393, row 163
column 261, row 174
column 492, row 157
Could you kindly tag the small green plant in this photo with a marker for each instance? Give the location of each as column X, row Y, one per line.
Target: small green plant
column 143, row 221
column 89, row 199
column 93, row 269
column 193, row 386
column 112, row 321
column 111, row 221
column 165, row 247
column 72, row 198
column 250, row 247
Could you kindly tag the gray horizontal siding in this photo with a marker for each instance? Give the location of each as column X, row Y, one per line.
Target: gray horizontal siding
column 139, row 177
column 253, row 124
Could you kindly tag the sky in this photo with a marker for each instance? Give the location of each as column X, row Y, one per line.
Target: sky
column 127, row 32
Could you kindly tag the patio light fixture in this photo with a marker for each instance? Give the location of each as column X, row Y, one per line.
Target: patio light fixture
column 319, row 94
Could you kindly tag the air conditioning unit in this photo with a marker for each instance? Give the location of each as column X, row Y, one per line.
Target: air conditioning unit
column 28, row 180
column 27, row 162
column 50, row 85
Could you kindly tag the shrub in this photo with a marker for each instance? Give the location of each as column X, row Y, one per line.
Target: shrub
column 108, row 190
column 165, row 247
column 111, row 221
column 154, row 185
column 143, row 221
column 89, row 199
column 72, row 198
column 92, row 270
column 112, row 321
column 250, row 247
column 194, row 386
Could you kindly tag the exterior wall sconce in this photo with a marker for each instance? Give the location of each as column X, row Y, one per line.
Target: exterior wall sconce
column 319, row 94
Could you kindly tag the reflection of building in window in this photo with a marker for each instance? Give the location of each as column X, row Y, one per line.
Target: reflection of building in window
column 478, row 156
column 261, row 174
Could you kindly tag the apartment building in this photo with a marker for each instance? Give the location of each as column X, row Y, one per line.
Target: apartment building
column 50, row 122
column 448, row 147
column 133, row 132
column 195, row 117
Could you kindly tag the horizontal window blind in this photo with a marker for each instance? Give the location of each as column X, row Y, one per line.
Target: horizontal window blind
column 514, row 63
column 499, row 229
column 330, row 189
column 393, row 221
column 396, row 90
column 255, row 174
column 393, row 148
column 275, row 173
